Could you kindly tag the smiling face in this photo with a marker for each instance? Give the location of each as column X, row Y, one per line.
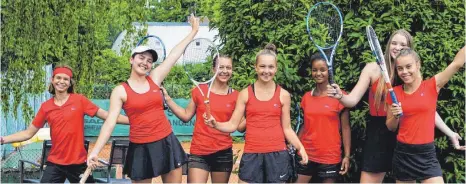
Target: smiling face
column 266, row 67
column 408, row 68
column 225, row 69
column 61, row 82
column 397, row 43
column 319, row 71
column 141, row 63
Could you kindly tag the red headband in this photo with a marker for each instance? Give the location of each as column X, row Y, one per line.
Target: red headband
column 63, row 70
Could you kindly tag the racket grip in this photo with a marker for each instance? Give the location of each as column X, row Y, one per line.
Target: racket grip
column 207, row 108
column 85, row 175
column 330, row 76
column 392, row 95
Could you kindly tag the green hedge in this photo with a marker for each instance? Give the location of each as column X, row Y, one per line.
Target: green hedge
column 437, row 26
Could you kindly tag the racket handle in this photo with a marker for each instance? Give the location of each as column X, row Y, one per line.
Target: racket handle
column 392, row 95
column 165, row 105
column 330, row 76
column 85, row 175
column 207, row 108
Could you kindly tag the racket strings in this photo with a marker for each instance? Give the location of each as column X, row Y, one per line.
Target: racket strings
column 325, row 24
column 198, row 60
column 157, row 45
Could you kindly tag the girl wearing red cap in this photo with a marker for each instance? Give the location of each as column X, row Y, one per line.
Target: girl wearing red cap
column 65, row 115
column 153, row 150
column 268, row 126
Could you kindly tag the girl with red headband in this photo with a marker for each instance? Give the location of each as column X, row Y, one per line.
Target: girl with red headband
column 153, row 150
column 65, row 115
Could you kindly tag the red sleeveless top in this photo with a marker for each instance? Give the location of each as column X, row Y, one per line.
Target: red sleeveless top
column 264, row 132
column 147, row 119
column 373, row 110
column 207, row 140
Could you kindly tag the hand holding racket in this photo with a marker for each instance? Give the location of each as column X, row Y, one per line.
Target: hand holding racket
column 155, row 43
column 325, row 26
column 377, row 51
column 198, row 60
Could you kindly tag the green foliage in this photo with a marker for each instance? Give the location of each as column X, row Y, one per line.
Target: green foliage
column 77, row 33
column 246, row 26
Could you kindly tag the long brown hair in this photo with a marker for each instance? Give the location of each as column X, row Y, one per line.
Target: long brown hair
column 72, row 82
column 381, row 90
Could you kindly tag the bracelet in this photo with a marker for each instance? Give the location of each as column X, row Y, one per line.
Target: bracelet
column 347, row 157
column 340, row 97
column 2, row 141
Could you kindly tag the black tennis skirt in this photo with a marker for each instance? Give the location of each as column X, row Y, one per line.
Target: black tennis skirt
column 149, row 160
column 379, row 146
column 415, row 162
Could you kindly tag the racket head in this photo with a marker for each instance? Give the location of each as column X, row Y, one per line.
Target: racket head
column 155, row 43
column 324, row 24
column 198, row 60
column 375, row 46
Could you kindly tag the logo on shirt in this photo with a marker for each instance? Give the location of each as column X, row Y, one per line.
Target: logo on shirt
column 155, row 91
column 228, row 105
column 73, row 108
column 326, row 106
column 275, row 105
column 422, row 94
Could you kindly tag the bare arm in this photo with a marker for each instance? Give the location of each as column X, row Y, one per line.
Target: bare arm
column 242, row 126
column 184, row 114
column 158, row 74
column 116, row 102
column 392, row 121
column 237, row 116
column 103, row 114
column 22, row 135
column 454, row 137
column 290, row 135
column 443, row 77
column 352, row 99
column 346, row 134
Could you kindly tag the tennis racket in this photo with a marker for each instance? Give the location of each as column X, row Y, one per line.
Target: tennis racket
column 41, row 135
column 154, row 42
column 198, row 60
column 324, row 24
column 85, row 175
column 292, row 149
column 377, row 52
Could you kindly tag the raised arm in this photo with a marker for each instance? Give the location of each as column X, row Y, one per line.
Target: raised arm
column 346, row 134
column 352, row 99
column 237, row 116
column 116, row 102
column 159, row 73
column 443, row 77
column 184, row 114
column 290, row 135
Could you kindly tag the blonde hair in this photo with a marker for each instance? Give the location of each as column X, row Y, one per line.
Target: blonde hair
column 269, row 49
column 381, row 90
column 72, row 82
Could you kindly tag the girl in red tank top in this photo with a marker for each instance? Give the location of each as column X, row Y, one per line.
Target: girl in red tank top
column 211, row 149
column 267, row 108
column 153, row 148
column 324, row 117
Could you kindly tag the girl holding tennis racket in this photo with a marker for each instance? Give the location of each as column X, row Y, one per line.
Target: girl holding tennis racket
column 380, row 142
column 267, row 108
column 415, row 157
column 153, row 150
column 211, row 149
column 320, row 135
column 64, row 113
